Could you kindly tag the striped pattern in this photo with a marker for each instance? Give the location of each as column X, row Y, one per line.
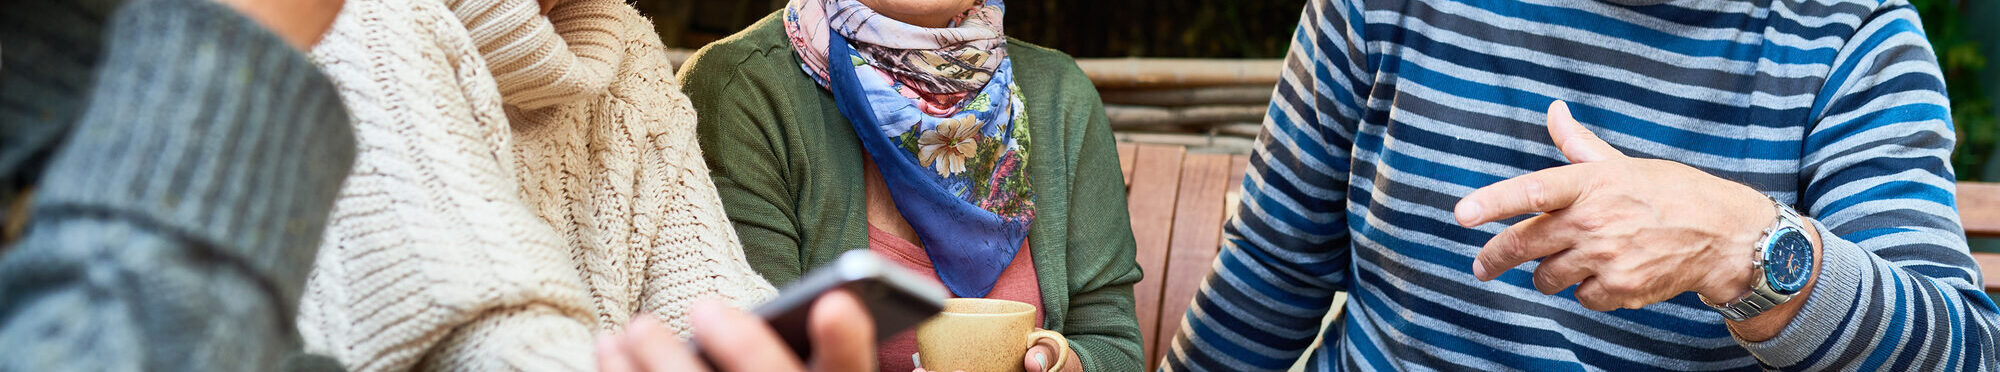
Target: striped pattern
column 1390, row 111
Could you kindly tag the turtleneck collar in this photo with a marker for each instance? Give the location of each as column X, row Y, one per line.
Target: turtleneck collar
column 539, row 61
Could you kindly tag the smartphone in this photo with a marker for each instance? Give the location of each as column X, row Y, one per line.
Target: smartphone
column 896, row 298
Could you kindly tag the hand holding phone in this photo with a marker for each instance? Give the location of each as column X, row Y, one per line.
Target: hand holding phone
column 896, row 298
column 743, row 342
column 843, row 310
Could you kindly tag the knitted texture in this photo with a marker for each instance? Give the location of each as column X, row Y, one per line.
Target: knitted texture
column 513, row 192
column 541, row 61
column 177, row 217
column 621, row 177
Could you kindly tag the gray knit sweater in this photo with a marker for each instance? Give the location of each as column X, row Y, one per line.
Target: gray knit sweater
column 189, row 159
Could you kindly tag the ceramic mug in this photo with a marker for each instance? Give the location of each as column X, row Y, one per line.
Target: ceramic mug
column 984, row 335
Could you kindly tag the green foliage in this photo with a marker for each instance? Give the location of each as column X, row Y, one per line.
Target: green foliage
column 1951, row 32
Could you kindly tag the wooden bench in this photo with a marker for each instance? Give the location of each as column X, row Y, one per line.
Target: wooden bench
column 1979, row 210
column 1179, row 200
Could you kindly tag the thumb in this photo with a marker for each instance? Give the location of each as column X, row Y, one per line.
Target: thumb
column 1575, row 141
column 842, row 333
column 1037, row 358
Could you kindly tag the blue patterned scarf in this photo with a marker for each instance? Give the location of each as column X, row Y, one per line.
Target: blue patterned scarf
column 959, row 178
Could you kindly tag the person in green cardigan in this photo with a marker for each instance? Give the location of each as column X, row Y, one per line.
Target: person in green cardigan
column 935, row 141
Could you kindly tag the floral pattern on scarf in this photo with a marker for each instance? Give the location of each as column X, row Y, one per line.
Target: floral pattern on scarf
column 938, row 112
column 940, row 66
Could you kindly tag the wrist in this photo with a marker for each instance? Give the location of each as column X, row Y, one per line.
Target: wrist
column 1785, row 261
column 1736, row 267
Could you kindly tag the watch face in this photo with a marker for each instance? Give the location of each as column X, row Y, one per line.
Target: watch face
column 1788, row 260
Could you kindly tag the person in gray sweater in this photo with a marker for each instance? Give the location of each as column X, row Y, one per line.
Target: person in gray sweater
column 183, row 159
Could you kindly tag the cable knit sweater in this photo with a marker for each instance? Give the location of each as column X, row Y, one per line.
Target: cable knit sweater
column 521, row 182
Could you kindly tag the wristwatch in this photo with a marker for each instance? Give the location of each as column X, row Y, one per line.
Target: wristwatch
column 1780, row 267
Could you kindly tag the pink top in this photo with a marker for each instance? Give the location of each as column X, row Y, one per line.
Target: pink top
column 1017, row 283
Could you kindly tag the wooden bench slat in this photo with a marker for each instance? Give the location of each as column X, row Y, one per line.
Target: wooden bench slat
column 1179, row 72
column 1979, row 208
column 1127, row 152
column 1198, row 219
column 1154, row 188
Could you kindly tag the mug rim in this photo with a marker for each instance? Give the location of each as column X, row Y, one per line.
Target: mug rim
column 1021, row 307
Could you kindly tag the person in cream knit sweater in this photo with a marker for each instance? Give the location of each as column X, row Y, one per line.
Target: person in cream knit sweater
column 523, row 181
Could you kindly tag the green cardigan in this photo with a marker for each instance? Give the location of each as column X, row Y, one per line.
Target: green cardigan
column 789, row 169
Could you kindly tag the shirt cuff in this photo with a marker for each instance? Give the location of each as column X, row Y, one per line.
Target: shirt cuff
column 1834, row 299
column 204, row 126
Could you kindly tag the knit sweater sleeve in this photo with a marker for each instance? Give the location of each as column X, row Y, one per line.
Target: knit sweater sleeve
column 695, row 253
column 432, row 259
column 1896, row 290
column 531, row 337
column 177, row 220
column 541, row 61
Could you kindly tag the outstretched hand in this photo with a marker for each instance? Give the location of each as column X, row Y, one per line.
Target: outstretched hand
column 1627, row 232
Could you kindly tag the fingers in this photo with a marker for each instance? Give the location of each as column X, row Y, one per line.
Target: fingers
column 1592, row 294
column 611, row 354
column 1576, row 142
column 1561, row 270
column 1546, row 190
column 1615, row 290
column 738, row 341
column 843, row 335
column 649, row 346
column 1525, row 241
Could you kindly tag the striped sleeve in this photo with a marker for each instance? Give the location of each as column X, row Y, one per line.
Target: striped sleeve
column 1286, row 253
column 1896, row 289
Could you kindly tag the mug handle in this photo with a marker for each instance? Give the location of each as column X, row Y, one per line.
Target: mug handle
column 1062, row 347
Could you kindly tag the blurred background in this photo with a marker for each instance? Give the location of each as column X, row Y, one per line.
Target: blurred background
column 1964, row 32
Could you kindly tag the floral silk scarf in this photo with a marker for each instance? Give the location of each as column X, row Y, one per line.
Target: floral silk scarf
column 939, row 66
column 939, row 114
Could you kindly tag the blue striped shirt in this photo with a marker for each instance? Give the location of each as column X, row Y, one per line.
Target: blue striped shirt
column 1390, row 111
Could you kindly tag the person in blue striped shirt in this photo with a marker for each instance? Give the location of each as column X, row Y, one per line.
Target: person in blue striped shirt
column 1615, row 185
